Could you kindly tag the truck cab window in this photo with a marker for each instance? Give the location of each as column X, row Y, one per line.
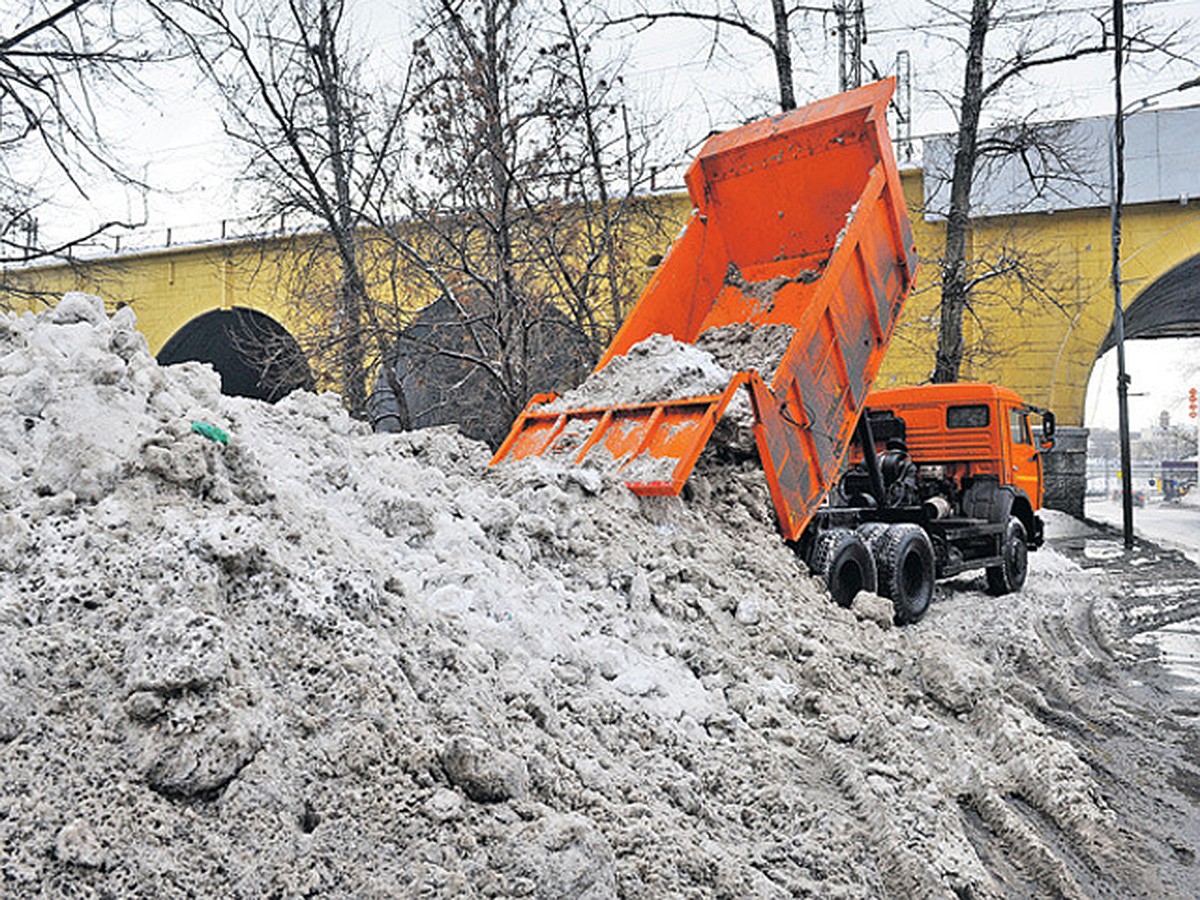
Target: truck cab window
column 1018, row 421
column 974, row 416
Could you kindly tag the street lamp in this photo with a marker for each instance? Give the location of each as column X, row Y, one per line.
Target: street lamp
column 1116, row 163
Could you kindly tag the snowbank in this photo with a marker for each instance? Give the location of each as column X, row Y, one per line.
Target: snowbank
column 318, row 661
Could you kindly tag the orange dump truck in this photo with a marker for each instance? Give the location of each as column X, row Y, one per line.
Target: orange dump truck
column 799, row 229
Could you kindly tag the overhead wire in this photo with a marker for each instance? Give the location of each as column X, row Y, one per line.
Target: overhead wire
column 1032, row 15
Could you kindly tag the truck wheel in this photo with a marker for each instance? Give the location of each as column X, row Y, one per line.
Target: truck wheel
column 1010, row 575
column 842, row 561
column 906, row 570
column 872, row 533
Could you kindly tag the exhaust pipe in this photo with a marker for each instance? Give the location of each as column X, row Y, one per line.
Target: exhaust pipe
column 937, row 507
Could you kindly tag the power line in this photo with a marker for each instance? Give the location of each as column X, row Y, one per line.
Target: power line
column 1029, row 16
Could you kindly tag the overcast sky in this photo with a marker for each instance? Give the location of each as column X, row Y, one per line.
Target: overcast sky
column 670, row 73
column 1160, row 371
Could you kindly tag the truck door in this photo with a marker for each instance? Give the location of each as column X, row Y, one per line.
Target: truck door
column 1024, row 458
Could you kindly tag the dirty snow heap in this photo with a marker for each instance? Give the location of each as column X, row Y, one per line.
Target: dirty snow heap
column 253, row 650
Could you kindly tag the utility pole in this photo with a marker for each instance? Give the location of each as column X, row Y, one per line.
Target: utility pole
column 1117, row 158
column 1116, row 161
column 859, row 33
column 902, row 103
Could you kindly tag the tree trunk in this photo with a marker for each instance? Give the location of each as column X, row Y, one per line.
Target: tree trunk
column 397, row 388
column 783, row 56
column 955, row 297
column 344, row 225
column 354, row 376
column 509, row 312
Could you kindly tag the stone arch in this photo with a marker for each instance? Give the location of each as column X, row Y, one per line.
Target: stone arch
column 438, row 385
column 1168, row 307
column 254, row 355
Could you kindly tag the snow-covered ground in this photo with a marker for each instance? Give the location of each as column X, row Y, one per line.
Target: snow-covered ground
column 305, row 660
column 1175, row 525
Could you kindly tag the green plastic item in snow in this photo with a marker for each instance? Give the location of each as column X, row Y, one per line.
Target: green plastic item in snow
column 212, row 432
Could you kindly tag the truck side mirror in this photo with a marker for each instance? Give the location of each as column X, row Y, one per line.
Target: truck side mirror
column 1048, row 428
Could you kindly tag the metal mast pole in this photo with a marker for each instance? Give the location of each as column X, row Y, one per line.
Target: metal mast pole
column 858, row 36
column 1117, row 165
column 839, row 11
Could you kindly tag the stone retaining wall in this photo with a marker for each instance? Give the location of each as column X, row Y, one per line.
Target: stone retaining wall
column 1065, row 469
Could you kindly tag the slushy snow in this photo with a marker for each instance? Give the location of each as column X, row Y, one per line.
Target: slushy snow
column 320, row 662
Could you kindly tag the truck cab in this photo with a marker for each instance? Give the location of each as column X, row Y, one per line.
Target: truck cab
column 943, row 479
column 972, row 430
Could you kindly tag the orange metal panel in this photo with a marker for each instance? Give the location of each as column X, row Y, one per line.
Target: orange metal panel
column 773, row 193
column 653, row 446
column 788, row 454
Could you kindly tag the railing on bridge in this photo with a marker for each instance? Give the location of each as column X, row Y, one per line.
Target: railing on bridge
column 663, row 179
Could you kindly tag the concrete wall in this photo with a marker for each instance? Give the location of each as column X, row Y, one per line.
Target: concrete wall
column 1041, row 342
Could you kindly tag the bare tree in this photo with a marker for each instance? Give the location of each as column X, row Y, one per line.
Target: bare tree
column 1025, row 40
column 525, row 212
column 1014, row 274
column 770, row 28
column 55, row 59
column 323, row 151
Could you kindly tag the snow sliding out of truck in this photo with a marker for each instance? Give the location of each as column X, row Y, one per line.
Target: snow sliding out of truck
column 799, row 225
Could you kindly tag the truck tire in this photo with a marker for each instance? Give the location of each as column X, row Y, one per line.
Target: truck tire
column 906, row 570
column 872, row 533
column 1010, row 575
column 844, row 564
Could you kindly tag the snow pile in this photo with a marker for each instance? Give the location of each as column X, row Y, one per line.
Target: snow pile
column 746, row 346
column 662, row 368
column 318, row 661
column 658, row 368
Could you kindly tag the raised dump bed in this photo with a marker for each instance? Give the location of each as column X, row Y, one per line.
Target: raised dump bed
column 799, row 224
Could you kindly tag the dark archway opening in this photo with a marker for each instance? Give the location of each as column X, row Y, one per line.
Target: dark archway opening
column 254, row 355
column 1168, row 308
column 439, row 368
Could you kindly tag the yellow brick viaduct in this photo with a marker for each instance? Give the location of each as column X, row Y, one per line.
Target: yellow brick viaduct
column 1044, row 350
